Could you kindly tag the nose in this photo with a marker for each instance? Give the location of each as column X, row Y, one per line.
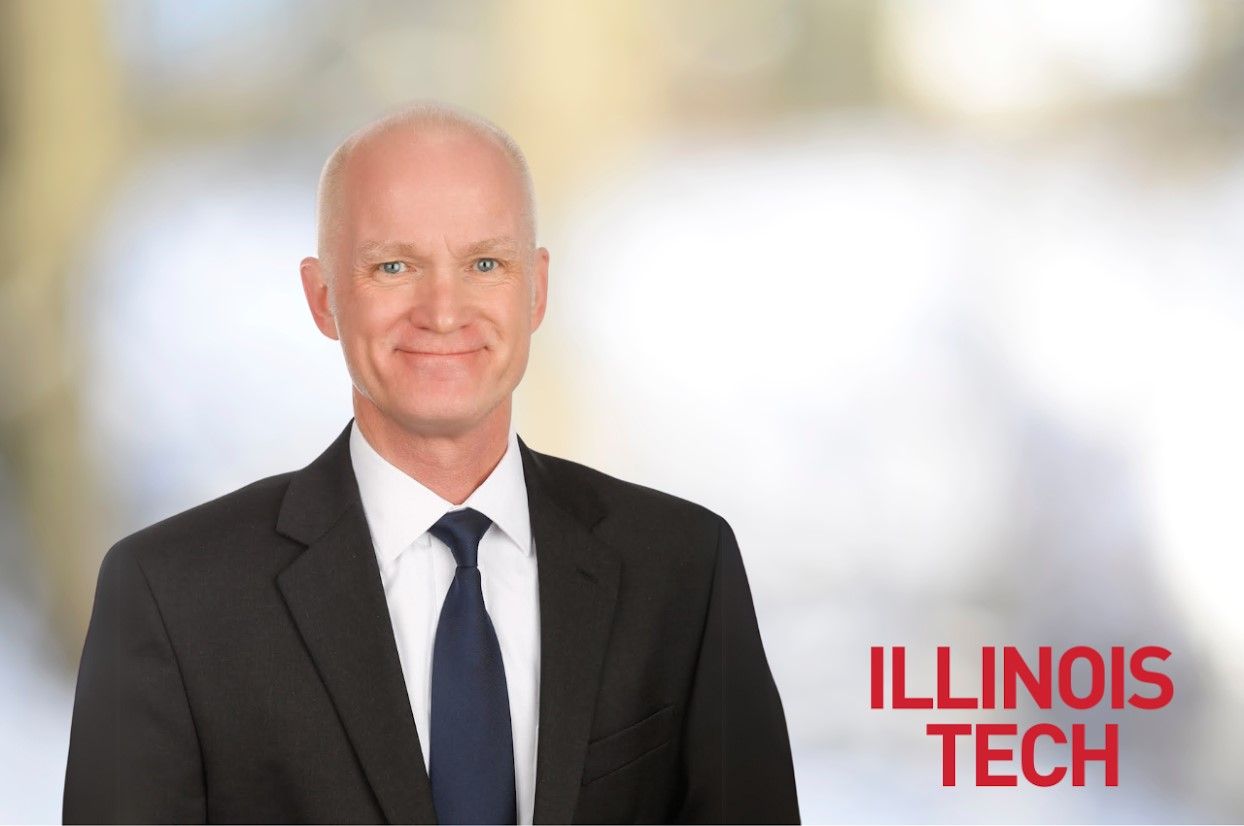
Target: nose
column 439, row 303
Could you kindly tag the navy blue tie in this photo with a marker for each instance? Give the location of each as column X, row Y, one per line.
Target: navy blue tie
column 472, row 748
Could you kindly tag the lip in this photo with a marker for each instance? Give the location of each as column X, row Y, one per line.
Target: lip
column 438, row 353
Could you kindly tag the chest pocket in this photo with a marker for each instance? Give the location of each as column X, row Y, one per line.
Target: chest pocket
column 618, row 750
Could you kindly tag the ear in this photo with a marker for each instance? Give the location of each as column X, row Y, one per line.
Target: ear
column 315, row 286
column 539, row 287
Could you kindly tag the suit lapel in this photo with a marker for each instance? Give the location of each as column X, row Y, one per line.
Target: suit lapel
column 578, row 582
column 335, row 595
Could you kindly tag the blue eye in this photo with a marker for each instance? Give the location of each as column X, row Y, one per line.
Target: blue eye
column 392, row 267
column 491, row 261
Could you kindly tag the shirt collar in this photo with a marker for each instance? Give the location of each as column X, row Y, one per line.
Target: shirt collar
column 400, row 509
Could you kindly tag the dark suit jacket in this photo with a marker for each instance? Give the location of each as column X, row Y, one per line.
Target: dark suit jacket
column 240, row 664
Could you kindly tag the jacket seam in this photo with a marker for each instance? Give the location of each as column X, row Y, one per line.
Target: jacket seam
column 699, row 658
column 181, row 677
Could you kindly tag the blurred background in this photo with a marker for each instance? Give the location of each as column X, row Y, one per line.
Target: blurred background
column 938, row 303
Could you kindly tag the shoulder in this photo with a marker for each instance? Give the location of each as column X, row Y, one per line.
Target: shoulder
column 633, row 513
column 213, row 532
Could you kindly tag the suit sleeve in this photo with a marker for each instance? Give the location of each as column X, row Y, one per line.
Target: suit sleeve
column 736, row 752
column 133, row 751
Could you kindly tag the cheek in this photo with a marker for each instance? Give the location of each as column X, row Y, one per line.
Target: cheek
column 370, row 321
column 513, row 318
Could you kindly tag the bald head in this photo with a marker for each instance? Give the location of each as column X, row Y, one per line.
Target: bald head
column 421, row 121
column 428, row 274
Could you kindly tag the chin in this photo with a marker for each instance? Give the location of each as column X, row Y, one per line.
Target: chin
column 440, row 419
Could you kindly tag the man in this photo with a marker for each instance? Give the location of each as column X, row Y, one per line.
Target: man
column 431, row 620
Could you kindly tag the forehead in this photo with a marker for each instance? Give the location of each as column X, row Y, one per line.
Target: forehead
column 430, row 184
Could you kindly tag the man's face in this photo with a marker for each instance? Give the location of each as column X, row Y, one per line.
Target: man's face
column 437, row 286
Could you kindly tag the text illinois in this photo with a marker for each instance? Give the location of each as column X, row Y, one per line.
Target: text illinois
column 1109, row 675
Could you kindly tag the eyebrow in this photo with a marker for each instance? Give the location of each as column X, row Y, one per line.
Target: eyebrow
column 381, row 249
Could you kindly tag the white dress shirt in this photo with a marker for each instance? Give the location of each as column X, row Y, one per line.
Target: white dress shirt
column 417, row 569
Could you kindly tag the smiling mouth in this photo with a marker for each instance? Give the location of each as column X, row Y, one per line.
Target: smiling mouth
column 439, row 354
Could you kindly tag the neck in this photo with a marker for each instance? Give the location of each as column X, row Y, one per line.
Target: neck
column 451, row 466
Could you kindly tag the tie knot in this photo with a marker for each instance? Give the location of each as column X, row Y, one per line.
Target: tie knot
column 461, row 531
